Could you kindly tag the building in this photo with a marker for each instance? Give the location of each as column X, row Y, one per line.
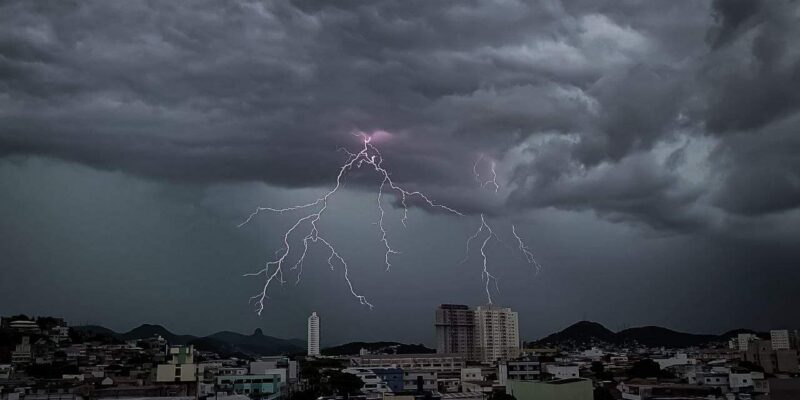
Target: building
column 281, row 365
column 497, row 333
column 519, row 370
column 419, row 380
column 407, row 362
column 6, row 371
column 782, row 339
column 313, row 335
column 22, row 353
column 743, row 341
column 379, row 380
column 562, row 389
column 562, row 371
column 455, row 331
column 761, row 353
column 265, row 386
column 180, row 366
column 678, row 359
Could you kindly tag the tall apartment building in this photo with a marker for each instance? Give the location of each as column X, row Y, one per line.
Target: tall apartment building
column 761, row 353
column 782, row 339
column 497, row 333
column 744, row 339
column 455, row 330
column 313, row 334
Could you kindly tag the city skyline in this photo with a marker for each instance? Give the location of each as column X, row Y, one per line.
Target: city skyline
column 644, row 154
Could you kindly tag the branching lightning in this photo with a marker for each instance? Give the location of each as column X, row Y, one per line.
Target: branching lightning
column 486, row 276
column 526, row 250
column 367, row 156
column 488, row 182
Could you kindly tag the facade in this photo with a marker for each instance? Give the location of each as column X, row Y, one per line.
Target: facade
column 497, row 335
column 761, row 353
column 678, row 359
column 563, row 371
column 782, row 339
column 22, row 353
column 250, row 384
column 407, row 362
column 743, row 341
column 455, row 330
column 180, row 368
column 379, row 380
column 313, row 335
column 563, row 389
column 279, row 364
column 519, row 370
column 412, row 380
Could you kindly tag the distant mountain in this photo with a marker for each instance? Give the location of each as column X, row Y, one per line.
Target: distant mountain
column 655, row 336
column 145, row 331
column 258, row 343
column 224, row 343
column 95, row 330
column 354, row 348
column 587, row 333
column 582, row 332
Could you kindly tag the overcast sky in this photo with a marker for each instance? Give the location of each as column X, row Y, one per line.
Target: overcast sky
column 647, row 152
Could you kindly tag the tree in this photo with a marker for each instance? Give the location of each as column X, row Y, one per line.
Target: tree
column 599, row 370
column 648, row 368
column 344, row 383
column 602, row 393
column 597, row 367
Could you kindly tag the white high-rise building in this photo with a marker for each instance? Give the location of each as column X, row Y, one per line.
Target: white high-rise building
column 782, row 339
column 497, row 333
column 313, row 334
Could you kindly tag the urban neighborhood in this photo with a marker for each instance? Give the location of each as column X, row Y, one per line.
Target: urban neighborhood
column 479, row 355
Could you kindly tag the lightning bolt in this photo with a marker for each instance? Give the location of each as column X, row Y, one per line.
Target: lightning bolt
column 526, row 251
column 492, row 181
column 486, row 276
column 368, row 156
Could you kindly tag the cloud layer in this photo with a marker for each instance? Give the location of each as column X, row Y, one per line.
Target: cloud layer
column 586, row 105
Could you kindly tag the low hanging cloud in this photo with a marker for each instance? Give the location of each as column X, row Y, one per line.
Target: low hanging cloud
column 597, row 101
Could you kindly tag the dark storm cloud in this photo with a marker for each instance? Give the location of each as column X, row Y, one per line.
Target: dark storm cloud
column 587, row 94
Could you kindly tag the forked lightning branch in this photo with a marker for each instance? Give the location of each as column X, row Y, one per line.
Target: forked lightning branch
column 311, row 213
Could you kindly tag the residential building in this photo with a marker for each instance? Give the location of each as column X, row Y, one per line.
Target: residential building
column 455, row 330
column 269, row 385
column 497, row 333
column 562, row 371
column 743, row 340
column 562, row 389
column 782, row 339
column 641, row 389
column 471, row 374
column 22, row 353
column 519, row 370
column 313, row 335
column 677, row 359
column 428, row 362
column 379, row 380
column 416, row 380
column 782, row 360
column 278, row 364
column 180, row 366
